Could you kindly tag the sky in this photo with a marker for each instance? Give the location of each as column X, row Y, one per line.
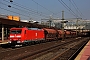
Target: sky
column 43, row 9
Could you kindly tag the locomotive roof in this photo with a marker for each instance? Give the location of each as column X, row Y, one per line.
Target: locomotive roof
column 50, row 30
column 33, row 29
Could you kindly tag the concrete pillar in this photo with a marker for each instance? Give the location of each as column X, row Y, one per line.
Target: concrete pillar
column 6, row 33
column 2, row 33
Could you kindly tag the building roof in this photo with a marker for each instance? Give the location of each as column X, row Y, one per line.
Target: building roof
column 18, row 23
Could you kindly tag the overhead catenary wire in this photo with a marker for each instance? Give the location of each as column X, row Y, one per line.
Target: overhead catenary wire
column 82, row 15
column 34, row 15
column 68, row 8
column 75, row 8
column 65, row 7
column 27, row 12
column 37, row 13
column 42, row 6
column 28, row 9
column 13, row 11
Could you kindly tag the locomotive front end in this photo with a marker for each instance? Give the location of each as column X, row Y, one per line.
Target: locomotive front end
column 15, row 36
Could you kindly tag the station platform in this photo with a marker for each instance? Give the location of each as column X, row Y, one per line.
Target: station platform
column 85, row 53
column 4, row 41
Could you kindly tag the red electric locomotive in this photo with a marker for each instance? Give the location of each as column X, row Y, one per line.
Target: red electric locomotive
column 22, row 35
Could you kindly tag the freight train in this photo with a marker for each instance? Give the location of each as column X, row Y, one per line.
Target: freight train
column 25, row 35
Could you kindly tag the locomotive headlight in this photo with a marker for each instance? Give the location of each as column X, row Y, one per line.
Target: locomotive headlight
column 18, row 41
column 18, row 36
column 11, row 36
column 9, row 41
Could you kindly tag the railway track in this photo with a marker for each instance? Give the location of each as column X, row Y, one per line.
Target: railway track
column 71, row 52
column 9, row 52
column 45, row 51
column 64, row 52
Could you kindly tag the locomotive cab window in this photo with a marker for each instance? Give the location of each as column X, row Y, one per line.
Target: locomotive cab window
column 16, row 31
